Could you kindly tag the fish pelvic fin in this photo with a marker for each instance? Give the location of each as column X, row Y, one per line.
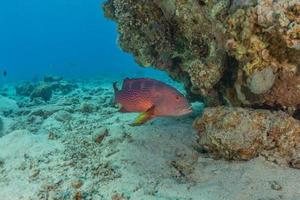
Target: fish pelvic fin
column 122, row 109
column 144, row 117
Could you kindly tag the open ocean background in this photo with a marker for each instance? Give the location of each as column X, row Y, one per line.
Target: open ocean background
column 61, row 37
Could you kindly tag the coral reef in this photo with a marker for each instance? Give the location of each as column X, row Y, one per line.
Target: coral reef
column 239, row 53
column 194, row 40
column 242, row 134
column 45, row 89
column 286, row 91
column 175, row 36
column 52, row 79
column 24, row 89
column 63, row 87
column 262, row 38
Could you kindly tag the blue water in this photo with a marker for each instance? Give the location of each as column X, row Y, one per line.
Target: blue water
column 63, row 37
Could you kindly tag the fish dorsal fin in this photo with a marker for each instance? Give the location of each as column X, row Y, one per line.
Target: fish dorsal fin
column 141, row 83
column 127, row 83
column 144, row 117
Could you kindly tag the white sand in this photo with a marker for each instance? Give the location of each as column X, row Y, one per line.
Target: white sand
column 59, row 154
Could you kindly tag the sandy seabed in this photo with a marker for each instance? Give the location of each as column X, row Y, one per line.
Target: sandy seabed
column 78, row 146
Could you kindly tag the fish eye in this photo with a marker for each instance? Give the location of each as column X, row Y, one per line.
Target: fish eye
column 177, row 97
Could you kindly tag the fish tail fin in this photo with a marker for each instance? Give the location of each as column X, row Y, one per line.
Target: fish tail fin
column 115, row 87
column 116, row 90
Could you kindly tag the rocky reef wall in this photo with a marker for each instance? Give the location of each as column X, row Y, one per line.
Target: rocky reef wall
column 238, row 53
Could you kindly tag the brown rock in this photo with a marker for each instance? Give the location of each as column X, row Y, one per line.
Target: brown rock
column 242, row 134
column 286, row 91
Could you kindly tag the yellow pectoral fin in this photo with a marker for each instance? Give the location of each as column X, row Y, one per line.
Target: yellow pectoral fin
column 118, row 105
column 143, row 117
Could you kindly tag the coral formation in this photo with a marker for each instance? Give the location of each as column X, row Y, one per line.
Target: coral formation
column 63, row 86
column 286, row 91
column 52, row 79
column 194, row 41
column 265, row 37
column 242, row 134
column 175, row 36
column 45, row 89
column 261, row 81
column 24, row 89
column 240, row 53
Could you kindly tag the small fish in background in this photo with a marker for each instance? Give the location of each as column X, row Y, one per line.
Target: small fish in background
column 151, row 97
column 4, row 73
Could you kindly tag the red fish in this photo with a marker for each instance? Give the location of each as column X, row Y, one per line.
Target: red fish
column 150, row 97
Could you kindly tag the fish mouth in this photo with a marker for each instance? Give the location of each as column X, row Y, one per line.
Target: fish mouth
column 187, row 110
